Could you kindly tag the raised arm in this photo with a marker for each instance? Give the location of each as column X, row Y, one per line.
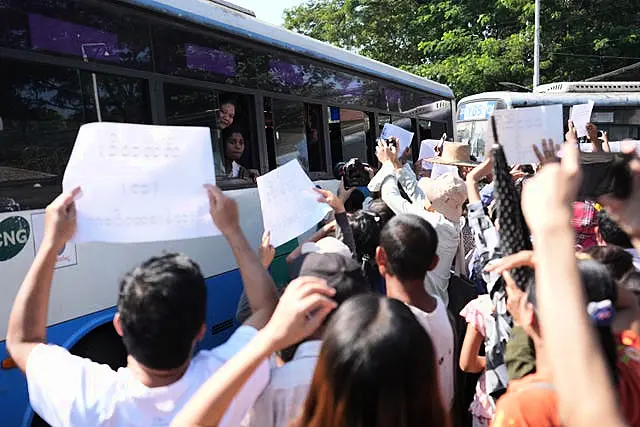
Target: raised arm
column 586, row 396
column 28, row 319
column 302, row 309
column 343, row 229
column 258, row 285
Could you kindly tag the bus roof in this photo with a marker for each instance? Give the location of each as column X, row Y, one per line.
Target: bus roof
column 217, row 16
column 524, row 99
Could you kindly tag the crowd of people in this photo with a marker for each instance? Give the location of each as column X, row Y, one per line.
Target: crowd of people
column 487, row 295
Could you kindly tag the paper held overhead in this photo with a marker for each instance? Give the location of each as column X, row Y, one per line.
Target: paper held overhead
column 404, row 136
column 290, row 207
column 521, row 128
column 141, row 183
column 581, row 116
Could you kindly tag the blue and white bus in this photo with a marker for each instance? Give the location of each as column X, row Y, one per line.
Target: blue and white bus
column 64, row 63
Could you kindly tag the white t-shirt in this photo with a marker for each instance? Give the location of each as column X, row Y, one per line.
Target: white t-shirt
column 439, row 329
column 68, row 391
column 283, row 399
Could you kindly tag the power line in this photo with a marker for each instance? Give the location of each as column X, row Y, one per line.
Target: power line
column 594, row 56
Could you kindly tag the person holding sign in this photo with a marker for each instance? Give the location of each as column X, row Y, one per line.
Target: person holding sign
column 439, row 201
column 161, row 317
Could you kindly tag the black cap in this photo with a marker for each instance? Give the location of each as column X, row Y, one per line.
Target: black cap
column 342, row 273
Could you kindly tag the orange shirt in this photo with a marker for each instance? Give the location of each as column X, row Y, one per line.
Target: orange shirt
column 531, row 401
column 629, row 374
column 528, row 402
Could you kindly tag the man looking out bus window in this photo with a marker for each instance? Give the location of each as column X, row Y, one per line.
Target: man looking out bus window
column 161, row 317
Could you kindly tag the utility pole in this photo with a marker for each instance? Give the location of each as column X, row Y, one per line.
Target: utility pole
column 536, row 47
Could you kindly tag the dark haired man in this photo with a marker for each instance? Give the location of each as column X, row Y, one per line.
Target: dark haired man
column 161, row 317
column 608, row 233
column 407, row 251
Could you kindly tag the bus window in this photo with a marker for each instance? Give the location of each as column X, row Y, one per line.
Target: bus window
column 349, row 132
column 75, row 28
column 121, row 99
column 294, row 131
column 43, row 107
column 315, row 138
column 231, row 120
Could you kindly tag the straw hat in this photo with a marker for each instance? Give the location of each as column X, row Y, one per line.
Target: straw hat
column 455, row 154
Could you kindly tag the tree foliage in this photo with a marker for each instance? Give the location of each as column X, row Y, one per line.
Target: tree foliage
column 473, row 45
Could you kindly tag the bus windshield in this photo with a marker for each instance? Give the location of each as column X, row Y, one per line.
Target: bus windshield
column 472, row 122
column 473, row 133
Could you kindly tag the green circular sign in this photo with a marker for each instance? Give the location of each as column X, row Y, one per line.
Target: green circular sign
column 14, row 235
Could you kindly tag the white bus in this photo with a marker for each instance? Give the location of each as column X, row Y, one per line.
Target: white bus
column 64, row 63
column 616, row 108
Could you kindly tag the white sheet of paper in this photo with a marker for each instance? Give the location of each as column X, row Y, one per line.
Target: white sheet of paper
column 439, row 169
column 427, row 151
column 141, row 183
column 427, row 148
column 521, row 128
column 404, row 136
column 581, row 116
column 290, row 207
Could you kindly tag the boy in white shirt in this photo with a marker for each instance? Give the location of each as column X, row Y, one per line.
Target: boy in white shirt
column 407, row 250
column 161, row 317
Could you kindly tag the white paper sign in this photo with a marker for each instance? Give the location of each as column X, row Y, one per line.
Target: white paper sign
column 290, row 207
column 521, row 128
column 66, row 257
column 439, row 169
column 141, row 183
column 581, row 116
column 404, row 136
column 427, row 151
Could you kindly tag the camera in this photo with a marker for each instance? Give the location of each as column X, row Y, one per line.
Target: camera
column 605, row 173
column 354, row 173
column 390, row 142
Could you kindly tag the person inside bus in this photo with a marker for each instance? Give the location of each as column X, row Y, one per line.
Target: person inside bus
column 233, row 150
column 161, row 313
column 599, row 140
column 226, row 114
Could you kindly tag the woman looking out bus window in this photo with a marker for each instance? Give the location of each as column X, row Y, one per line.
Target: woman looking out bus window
column 226, row 114
column 233, row 149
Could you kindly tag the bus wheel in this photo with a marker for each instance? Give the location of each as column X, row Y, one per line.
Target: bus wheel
column 102, row 345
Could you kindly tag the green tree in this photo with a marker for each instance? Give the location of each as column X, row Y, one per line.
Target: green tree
column 473, row 45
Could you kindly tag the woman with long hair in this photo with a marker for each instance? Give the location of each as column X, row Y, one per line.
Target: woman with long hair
column 377, row 368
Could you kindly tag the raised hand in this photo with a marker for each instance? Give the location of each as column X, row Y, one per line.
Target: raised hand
column 552, row 190
column 549, row 152
column 571, row 137
column 60, row 219
column 302, row 308
column 223, row 210
column 329, row 198
column 266, row 251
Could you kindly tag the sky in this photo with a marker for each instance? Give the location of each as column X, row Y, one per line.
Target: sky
column 268, row 10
